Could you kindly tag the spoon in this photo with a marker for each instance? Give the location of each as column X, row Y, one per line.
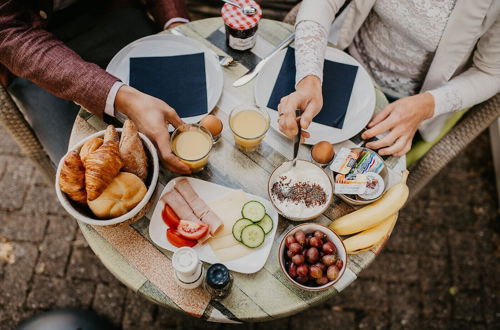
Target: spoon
column 297, row 139
column 247, row 10
column 286, row 190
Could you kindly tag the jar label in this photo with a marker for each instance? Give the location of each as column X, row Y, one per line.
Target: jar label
column 242, row 44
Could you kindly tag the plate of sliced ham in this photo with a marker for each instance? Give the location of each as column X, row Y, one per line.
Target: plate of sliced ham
column 219, row 207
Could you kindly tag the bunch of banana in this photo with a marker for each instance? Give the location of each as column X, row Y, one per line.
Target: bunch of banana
column 373, row 223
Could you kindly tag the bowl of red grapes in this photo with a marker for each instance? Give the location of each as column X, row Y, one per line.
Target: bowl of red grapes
column 312, row 256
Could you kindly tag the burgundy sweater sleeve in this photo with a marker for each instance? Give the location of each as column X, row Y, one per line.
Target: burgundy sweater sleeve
column 163, row 10
column 29, row 51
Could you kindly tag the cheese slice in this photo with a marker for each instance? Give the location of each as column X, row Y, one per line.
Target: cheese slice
column 231, row 253
column 221, row 242
column 228, row 209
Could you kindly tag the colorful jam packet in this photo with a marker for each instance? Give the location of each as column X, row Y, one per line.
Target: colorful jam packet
column 350, row 184
column 368, row 162
column 344, row 160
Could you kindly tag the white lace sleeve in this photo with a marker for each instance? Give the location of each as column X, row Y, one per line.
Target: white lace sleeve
column 310, row 46
column 446, row 99
column 465, row 90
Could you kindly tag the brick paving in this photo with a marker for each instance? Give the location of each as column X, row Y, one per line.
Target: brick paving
column 439, row 270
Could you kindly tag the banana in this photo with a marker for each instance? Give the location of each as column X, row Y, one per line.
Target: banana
column 371, row 237
column 390, row 203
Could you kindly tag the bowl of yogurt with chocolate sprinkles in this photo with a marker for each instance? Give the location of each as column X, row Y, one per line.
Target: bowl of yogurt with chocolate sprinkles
column 300, row 193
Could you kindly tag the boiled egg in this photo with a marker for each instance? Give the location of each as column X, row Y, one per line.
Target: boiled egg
column 322, row 152
column 212, row 124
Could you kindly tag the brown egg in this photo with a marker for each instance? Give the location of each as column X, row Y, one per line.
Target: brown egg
column 322, row 152
column 212, row 123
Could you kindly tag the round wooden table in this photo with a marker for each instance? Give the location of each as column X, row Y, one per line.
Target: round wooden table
column 129, row 254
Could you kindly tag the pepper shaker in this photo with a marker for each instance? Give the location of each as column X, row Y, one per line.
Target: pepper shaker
column 219, row 281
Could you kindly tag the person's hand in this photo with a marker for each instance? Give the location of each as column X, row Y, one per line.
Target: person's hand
column 308, row 98
column 152, row 117
column 402, row 119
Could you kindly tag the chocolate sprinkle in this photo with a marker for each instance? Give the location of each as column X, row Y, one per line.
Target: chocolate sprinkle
column 311, row 194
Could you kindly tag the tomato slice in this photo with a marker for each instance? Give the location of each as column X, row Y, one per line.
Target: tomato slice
column 192, row 230
column 169, row 217
column 177, row 240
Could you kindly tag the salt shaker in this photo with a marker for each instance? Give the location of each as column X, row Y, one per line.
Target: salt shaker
column 219, row 281
column 188, row 270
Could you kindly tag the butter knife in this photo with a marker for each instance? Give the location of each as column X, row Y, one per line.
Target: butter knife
column 252, row 73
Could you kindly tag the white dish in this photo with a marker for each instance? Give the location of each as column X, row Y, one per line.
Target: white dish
column 326, row 183
column 86, row 217
column 208, row 191
column 309, row 228
column 359, row 111
column 171, row 45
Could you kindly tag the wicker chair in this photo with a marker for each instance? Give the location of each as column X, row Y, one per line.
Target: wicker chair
column 15, row 124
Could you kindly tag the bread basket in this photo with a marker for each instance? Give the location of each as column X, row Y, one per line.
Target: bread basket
column 83, row 214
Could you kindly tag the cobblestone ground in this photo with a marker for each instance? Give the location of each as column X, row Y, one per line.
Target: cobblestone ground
column 440, row 269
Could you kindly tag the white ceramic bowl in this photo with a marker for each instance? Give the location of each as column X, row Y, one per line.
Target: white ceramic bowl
column 84, row 214
column 309, row 166
column 384, row 173
column 309, row 228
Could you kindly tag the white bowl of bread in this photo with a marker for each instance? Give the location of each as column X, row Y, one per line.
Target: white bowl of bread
column 109, row 177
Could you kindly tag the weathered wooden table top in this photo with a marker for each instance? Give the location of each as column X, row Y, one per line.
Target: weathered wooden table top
column 129, row 254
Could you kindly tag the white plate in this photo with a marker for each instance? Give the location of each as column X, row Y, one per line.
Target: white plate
column 209, row 192
column 359, row 111
column 171, row 45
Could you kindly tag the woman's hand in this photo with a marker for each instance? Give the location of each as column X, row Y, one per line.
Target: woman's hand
column 152, row 117
column 402, row 119
column 308, row 98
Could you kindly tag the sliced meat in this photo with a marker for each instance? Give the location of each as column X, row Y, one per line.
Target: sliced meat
column 179, row 205
column 213, row 221
column 198, row 206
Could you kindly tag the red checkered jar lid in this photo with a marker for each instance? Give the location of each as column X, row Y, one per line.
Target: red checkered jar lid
column 235, row 19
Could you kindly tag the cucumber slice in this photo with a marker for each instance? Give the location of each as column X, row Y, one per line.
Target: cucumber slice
column 239, row 226
column 253, row 236
column 254, row 211
column 266, row 223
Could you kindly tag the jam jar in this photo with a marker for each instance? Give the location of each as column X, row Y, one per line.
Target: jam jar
column 241, row 30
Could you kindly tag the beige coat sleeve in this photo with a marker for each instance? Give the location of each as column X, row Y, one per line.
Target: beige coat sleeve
column 487, row 55
column 477, row 84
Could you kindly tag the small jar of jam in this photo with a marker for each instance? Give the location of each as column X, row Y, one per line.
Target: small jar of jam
column 241, row 30
column 219, row 281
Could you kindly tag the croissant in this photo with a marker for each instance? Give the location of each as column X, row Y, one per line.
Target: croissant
column 89, row 147
column 72, row 178
column 132, row 152
column 101, row 166
column 111, row 134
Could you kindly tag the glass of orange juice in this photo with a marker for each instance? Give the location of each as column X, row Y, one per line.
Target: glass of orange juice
column 192, row 144
column 249, row 124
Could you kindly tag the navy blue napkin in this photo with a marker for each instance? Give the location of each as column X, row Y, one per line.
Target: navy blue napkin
column 180, row 81
column 338, row 80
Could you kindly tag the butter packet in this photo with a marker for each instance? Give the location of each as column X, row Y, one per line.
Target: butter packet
column 344, row 161
column 350, row 184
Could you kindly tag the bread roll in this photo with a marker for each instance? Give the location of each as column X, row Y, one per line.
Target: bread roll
column 89, row 147
column 72, row 178
column 122, row 195
column 132, row 151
